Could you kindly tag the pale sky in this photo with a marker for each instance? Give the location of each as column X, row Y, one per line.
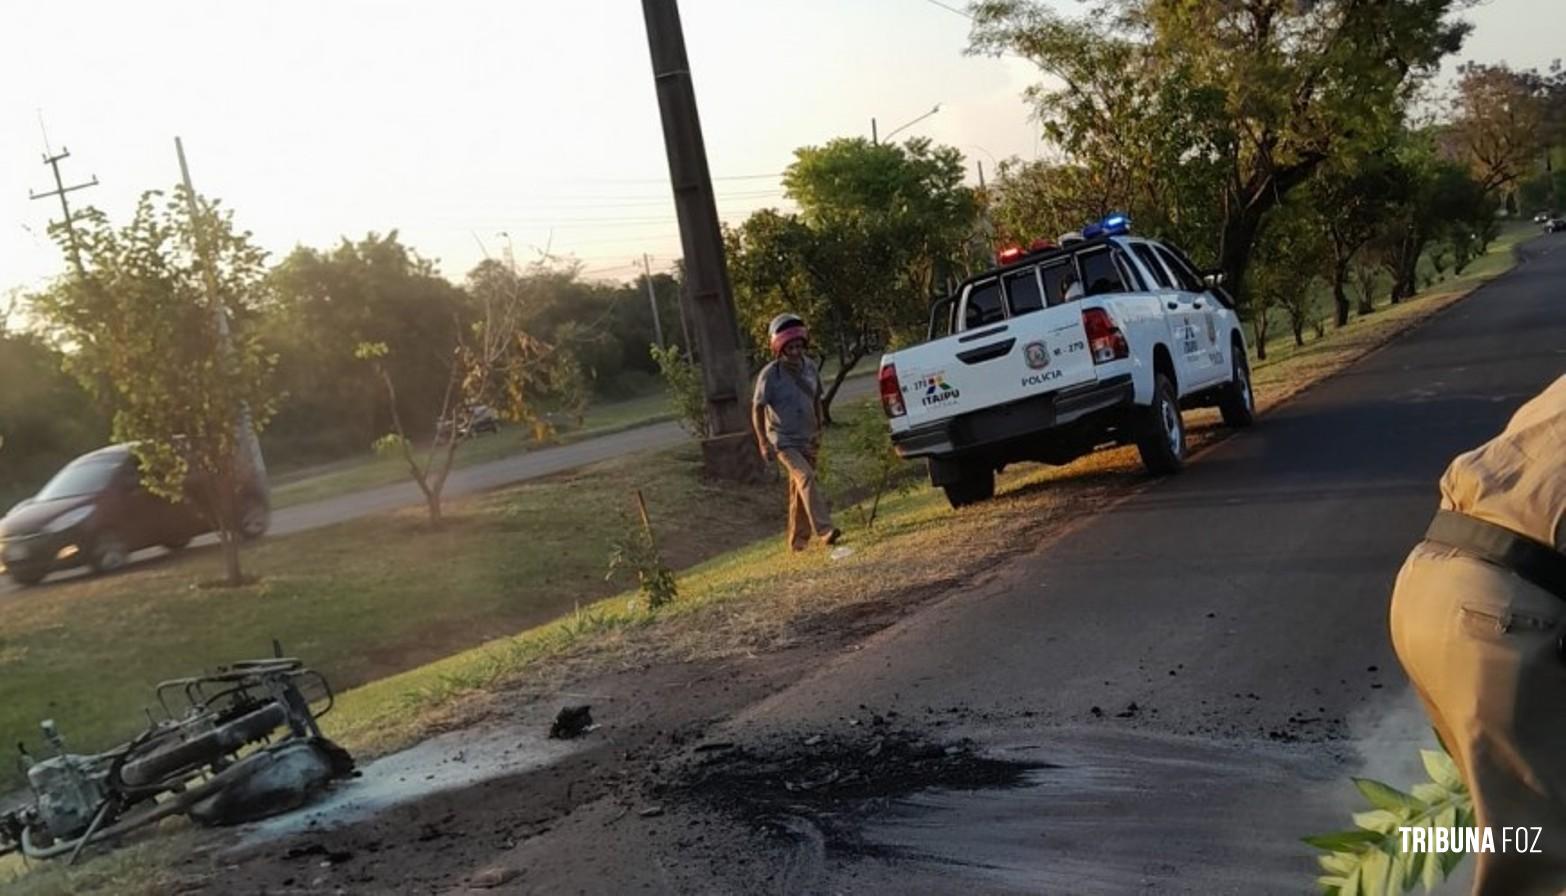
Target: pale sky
column 457, row 122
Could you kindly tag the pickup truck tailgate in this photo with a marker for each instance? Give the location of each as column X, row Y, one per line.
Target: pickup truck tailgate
column 1034, row 354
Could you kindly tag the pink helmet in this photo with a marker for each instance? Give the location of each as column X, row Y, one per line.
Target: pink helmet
column 786, row 328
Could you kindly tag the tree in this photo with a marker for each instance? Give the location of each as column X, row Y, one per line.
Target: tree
column 46, row 418
column 493, row 362
column 1352, row 199
column 325, row 304
column 1240, row 102
column 1498, row 122
column 1437, row 198
column 841, row 277
column 1288, row 266
column 145, row 339
column 881, row 229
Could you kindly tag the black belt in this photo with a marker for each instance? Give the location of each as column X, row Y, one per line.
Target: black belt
column 1534, row 561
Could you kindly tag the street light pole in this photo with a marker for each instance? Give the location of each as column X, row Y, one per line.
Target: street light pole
column 909, row 124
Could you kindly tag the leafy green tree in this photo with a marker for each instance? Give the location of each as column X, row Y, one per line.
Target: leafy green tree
column 146, row 340
column 1437, row 197
column 1352, row 200
column 1290, row 261
column 1237, row 102
column 46, row 417
column 326, row 303
column 882, row 228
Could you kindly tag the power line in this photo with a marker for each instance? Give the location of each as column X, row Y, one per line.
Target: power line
column 954, row 9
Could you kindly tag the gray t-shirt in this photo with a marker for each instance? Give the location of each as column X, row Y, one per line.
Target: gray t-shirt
column 790, row 405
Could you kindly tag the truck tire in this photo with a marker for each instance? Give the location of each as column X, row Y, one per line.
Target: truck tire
column 1237, row 403
column 977, row 484
column 1161, row 431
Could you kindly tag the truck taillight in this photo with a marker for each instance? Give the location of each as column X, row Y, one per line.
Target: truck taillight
column 891, row 392
column 1105, row 340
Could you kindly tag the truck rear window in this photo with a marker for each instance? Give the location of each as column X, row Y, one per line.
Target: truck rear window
column 1100, row 275
column 1022, row 292
column 983, row 305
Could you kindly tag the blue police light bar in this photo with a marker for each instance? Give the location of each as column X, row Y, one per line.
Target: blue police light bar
column 1112, row 225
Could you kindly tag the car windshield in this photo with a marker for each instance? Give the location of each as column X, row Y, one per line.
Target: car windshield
column 84, row 477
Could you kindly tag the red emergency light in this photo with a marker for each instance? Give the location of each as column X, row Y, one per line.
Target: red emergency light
column 1009, row 254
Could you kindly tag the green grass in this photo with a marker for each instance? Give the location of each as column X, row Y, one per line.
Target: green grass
column 372, row 471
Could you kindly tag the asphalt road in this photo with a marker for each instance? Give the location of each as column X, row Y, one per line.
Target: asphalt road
column 1241, row 607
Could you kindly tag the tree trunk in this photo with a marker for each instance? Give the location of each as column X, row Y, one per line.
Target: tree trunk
column 1234, row 258
column 1297, row 324
column 844, row 368
column 233, row 574
column 1340, row 299
column 1259, row 328
column 432, row 500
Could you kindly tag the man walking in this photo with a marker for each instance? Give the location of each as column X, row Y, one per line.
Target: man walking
column 787, row 415
column 1478, row 621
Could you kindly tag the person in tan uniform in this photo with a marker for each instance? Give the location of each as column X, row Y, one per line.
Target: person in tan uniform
column 1478, row 620
column 787, row 415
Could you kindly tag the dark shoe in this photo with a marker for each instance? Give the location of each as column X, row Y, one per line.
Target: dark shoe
column 831, row 537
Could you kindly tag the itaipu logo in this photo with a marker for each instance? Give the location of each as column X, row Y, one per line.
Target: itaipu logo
column 936, row 389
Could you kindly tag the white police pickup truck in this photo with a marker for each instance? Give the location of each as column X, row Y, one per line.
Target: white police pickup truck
column 1063, row 349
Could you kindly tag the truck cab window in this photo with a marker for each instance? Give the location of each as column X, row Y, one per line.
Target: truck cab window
column 1187, row 277
column 1022, row 291
column 984, row 305
column 1144, row 254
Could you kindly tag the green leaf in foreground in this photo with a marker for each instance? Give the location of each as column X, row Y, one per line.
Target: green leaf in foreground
column 1369, row 861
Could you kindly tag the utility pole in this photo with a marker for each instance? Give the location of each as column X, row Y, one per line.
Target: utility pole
column 60, row 189
column 249, row 442
column 874, row 140
column 980, row 163
column 729, row 451
column 652, row 299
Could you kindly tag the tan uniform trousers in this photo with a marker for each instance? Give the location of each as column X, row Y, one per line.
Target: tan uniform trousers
column 1481, row 646
column 808, row 513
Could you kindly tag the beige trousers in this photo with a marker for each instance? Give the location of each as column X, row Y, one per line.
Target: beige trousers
column 808, row 513
column 1481, row 646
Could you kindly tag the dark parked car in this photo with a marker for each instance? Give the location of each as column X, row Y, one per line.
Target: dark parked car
column 95, row 512
column 1555, row 225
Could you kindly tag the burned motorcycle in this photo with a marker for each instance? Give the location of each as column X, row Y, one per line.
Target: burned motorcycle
column 243, row 744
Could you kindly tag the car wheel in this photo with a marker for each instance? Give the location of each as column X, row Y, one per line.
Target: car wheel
column 177, row 544
column 108, row 553
column 1162, row 438
column 1238, row 404
column 254, row 520
column 26, row 575
column 977, row 484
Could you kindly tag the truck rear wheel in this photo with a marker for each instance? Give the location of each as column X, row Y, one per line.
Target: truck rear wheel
column 1238, row 403
column 1161, row 436
column 976, row 484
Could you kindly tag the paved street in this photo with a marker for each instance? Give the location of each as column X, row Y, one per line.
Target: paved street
column 1228, row 605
